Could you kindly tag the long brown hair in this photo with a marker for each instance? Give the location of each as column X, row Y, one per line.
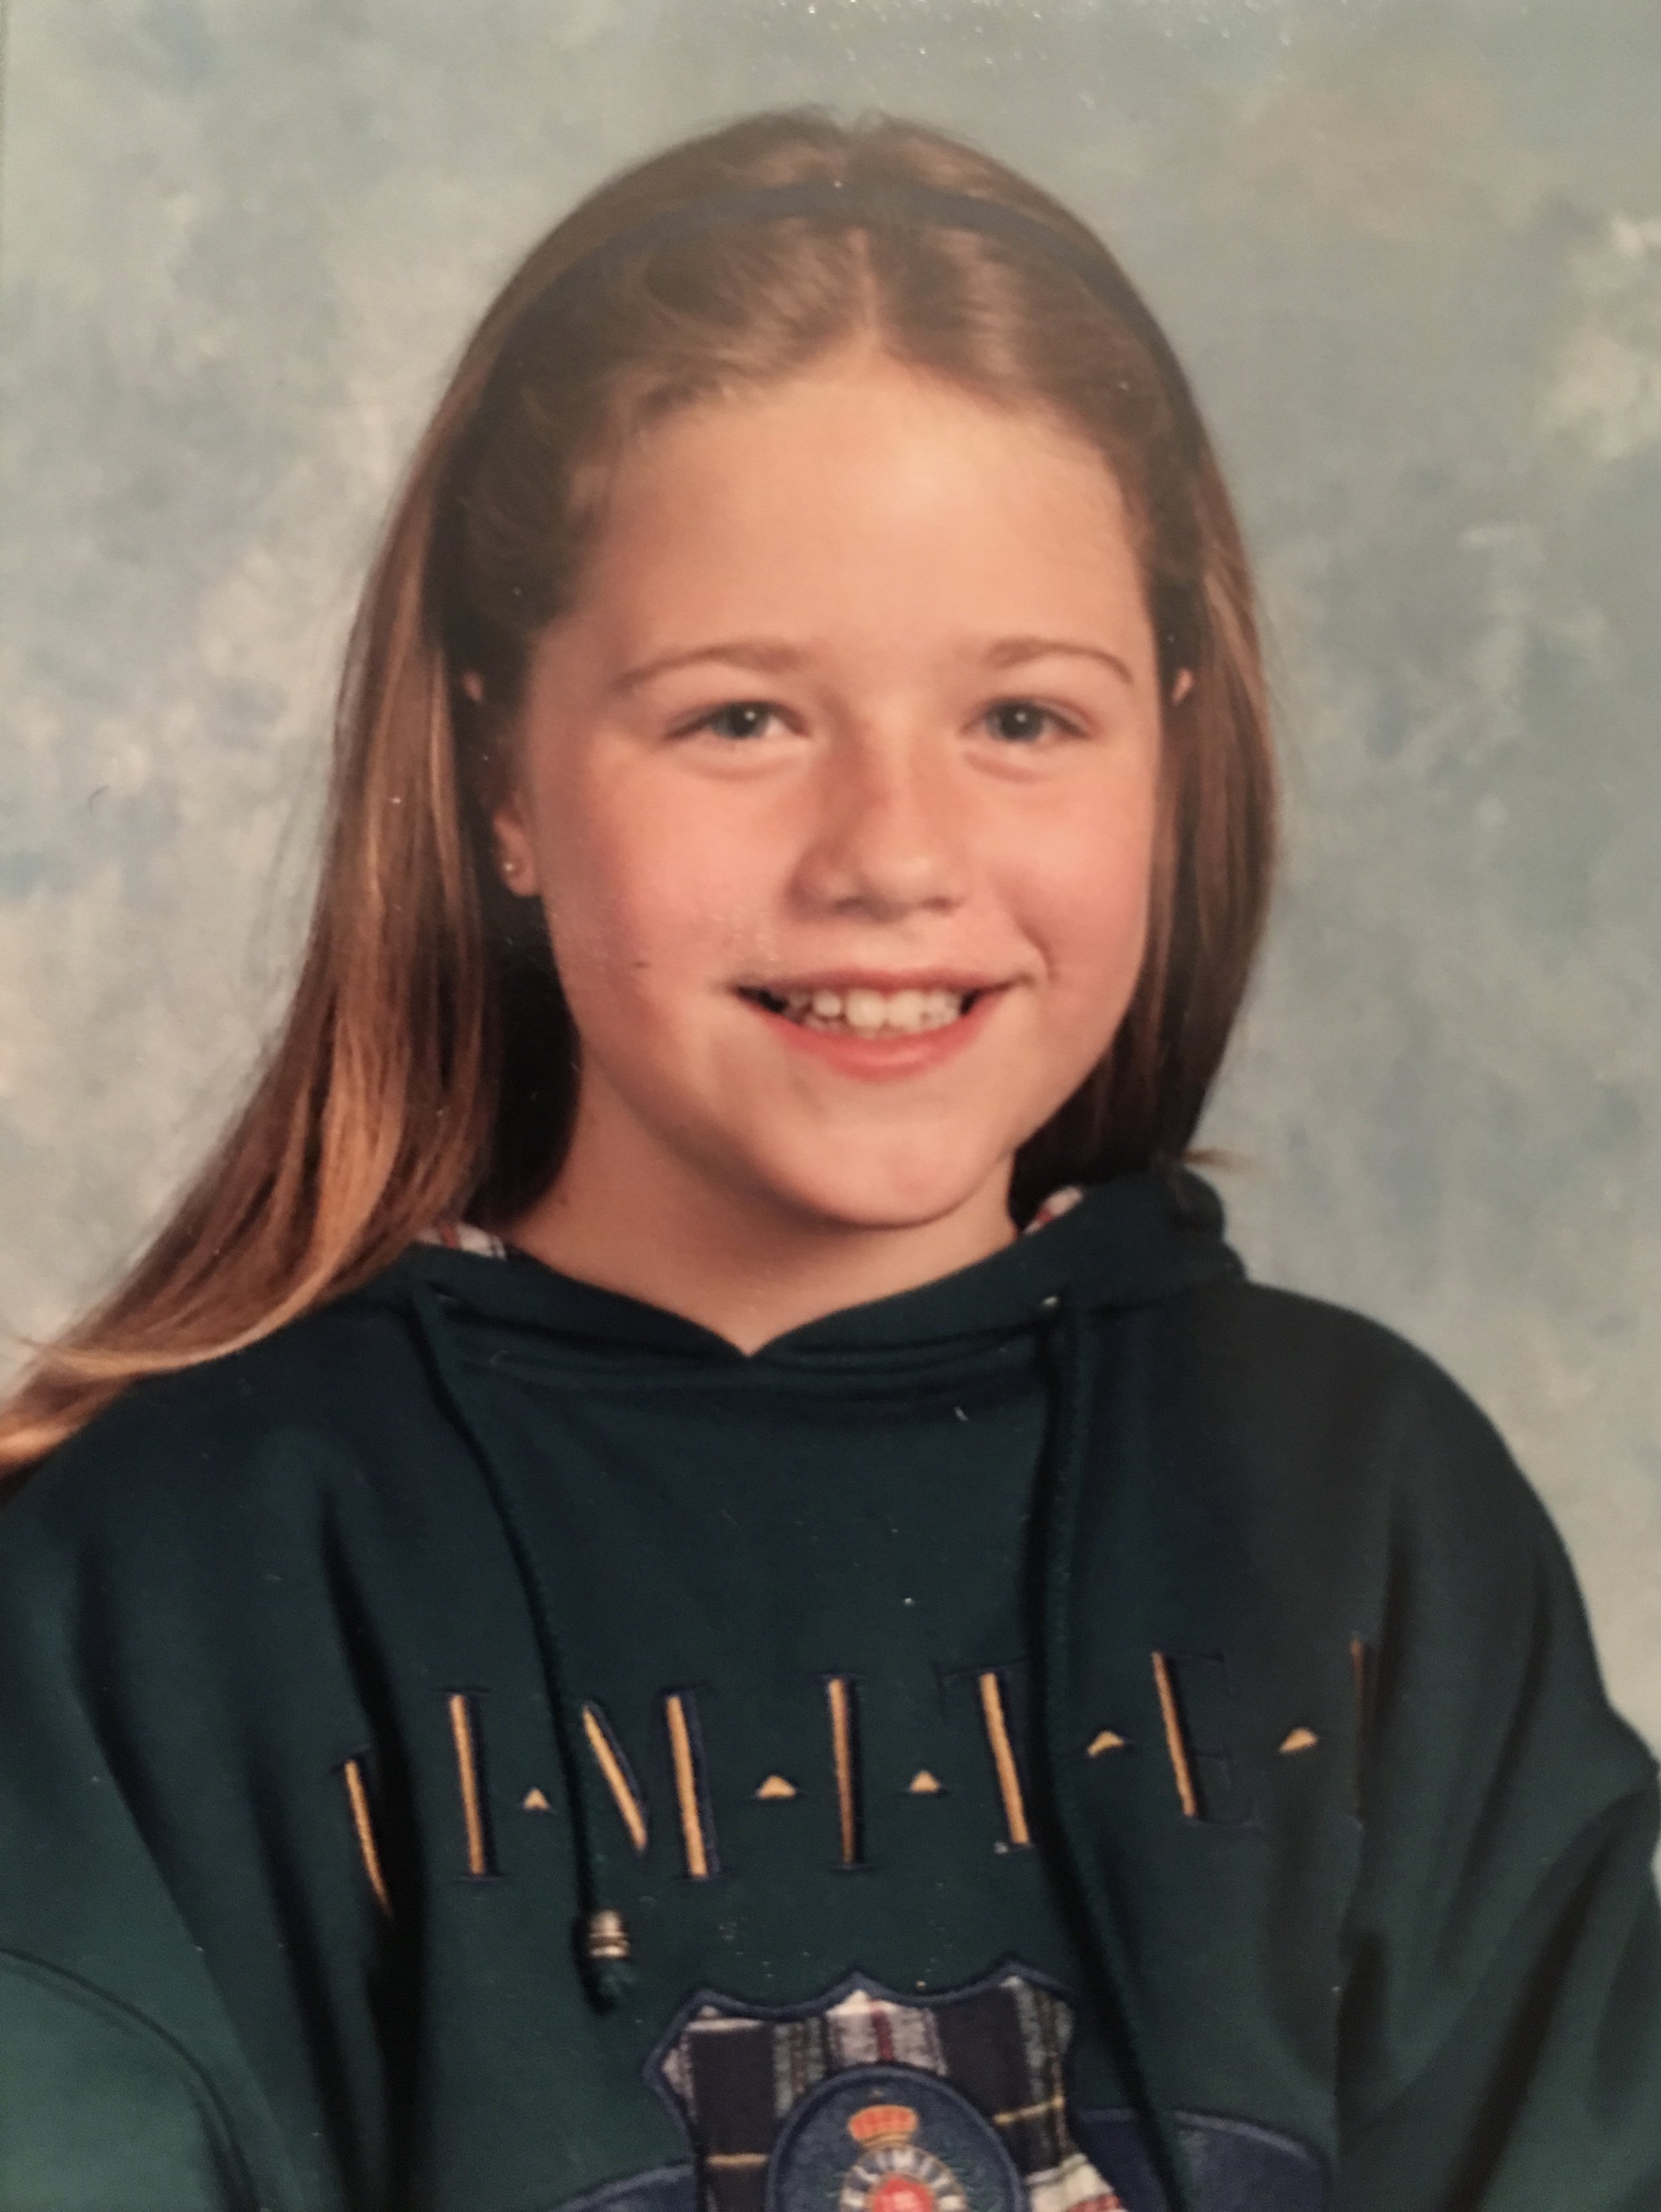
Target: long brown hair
column 427, row 1063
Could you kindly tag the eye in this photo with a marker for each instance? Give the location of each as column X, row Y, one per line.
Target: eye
column 739, row 719
column 1023, row 721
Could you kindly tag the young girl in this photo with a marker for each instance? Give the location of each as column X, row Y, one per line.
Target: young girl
column 593, row 1625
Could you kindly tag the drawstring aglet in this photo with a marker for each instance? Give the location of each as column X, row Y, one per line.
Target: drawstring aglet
column 605, row 1951
column 606, row 1936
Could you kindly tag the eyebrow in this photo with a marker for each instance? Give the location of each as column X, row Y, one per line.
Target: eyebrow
column 1012, row 652
column 770, row 658
column 766, row 658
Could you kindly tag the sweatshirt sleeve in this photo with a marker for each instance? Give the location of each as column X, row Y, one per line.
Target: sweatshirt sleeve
column 1501, row 2023
column 161, row 1931
column 107, row 2014
column 100, row 2111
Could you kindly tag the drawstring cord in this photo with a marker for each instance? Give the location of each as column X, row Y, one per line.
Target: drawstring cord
column 1075, row 1353
column 601, row 1935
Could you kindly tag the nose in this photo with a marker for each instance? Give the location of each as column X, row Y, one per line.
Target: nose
column 885, row 837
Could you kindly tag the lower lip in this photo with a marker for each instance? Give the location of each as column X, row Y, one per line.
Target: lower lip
column 888, row 1056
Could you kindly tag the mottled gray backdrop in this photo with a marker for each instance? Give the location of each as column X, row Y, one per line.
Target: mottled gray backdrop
column 1413, row 254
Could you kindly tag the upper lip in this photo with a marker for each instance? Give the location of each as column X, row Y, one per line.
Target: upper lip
column 873, row 979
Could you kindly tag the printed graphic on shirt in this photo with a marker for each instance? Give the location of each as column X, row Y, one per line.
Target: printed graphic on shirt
column 871, row 2102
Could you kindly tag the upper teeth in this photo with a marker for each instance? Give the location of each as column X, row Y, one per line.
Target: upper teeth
column 869, row 1013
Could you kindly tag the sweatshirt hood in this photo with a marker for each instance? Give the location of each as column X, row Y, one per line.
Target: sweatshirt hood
column 1131, row 1243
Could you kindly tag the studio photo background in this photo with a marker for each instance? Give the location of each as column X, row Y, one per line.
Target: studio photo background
column 1411, row 254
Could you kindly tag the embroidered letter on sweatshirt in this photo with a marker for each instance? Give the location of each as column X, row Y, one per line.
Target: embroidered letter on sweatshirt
column 463, row 1736
column 358, row 1798
column 697, row 1827
column 1210, row 1787
column 626, row 1793
column 842, row 1700
column 994, row 1713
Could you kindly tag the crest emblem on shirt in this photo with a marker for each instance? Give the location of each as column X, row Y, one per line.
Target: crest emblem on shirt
column 894, row 2175
column 868, row 2101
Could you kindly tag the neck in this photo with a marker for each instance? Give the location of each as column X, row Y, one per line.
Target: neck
column 739, row 1263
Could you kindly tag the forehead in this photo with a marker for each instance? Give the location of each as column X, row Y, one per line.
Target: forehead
column 875, row 493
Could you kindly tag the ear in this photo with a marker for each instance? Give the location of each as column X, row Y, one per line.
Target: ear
column 490, row 771
column 515, row 853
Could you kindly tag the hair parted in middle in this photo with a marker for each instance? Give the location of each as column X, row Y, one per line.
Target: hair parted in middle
column 427, row 1065
column 736, row 307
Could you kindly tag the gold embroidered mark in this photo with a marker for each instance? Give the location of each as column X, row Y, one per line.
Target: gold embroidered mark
column 1301, row 1739
column 473, row 1805
column 924, row 1785
column 610, row 1763
column 776, row 1787
column 1003, row 1757
column 694, row 1841
column 1109, row 1740
column 358, row 1798
column 1186, row 1795
column 839, row 1697
column 534, row 1801
column 743, row 2160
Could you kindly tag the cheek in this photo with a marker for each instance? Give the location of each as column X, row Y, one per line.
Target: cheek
column 640, row 898
column 1089, row 899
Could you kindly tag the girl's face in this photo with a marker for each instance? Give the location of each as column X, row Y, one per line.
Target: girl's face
column 839, row 786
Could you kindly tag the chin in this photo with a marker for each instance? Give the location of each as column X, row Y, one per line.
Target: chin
column 894, row 1193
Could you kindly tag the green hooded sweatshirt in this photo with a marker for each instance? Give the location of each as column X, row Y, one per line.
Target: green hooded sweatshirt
column 1087, row 1733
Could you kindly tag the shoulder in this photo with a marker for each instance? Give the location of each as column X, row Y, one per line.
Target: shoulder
column 1341, row 1442
column 1330, row 1477
column 1385, row 1448
column 239, row 1447
column 1298, row 1368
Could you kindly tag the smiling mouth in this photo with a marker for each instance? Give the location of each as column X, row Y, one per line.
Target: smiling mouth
column 861, row 1012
